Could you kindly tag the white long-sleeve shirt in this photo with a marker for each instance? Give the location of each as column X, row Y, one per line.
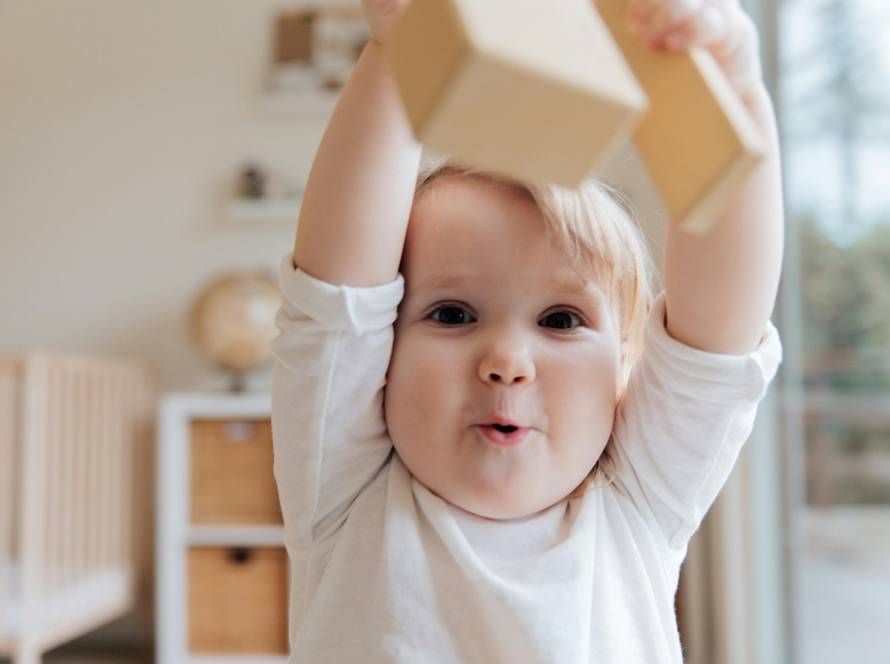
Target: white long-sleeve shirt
column 383, row 570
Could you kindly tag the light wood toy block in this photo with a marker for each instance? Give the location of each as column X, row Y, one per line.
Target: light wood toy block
column 698, row 140
column 531, row 89
column 479, row 85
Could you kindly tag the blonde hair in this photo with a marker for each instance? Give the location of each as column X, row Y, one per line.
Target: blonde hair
column 594, row 226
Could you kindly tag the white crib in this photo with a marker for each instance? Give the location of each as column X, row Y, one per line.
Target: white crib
column 73, row 432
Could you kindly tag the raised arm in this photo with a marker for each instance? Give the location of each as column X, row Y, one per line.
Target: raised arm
column 336, row 319
column 359, row 193
column 721, row 287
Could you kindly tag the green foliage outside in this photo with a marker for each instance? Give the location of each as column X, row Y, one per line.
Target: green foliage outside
column 845, row 301
column 846, row 309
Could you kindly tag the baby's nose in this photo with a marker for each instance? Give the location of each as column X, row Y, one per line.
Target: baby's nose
column 507, row 369
column 508, row 379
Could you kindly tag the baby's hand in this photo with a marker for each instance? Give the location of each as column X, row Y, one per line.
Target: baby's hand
column 720, row 26
column 381, row 14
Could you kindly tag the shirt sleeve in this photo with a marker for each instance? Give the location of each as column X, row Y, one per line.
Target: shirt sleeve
column 682, row 423
column 331, row 358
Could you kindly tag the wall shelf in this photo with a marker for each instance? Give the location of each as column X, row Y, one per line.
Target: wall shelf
column 245, row 210
column 312, row 105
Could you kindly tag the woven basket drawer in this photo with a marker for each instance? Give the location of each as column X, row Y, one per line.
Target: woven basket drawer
column 231, row 473
column 237, row 600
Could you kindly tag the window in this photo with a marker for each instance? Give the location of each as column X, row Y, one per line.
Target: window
column 835, row 114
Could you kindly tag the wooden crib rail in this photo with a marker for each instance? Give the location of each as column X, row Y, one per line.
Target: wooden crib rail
column 75, row 458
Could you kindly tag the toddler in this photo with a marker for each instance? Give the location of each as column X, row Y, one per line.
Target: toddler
column 493, row 443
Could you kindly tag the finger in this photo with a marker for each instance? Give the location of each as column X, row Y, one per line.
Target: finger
column 670, row 15
column 639, row 11
column 708, row 27
column 735, row 45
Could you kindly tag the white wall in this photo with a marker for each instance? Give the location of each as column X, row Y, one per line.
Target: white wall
column 122, row 126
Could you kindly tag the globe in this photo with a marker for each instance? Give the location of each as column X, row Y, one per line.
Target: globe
column 232, row 322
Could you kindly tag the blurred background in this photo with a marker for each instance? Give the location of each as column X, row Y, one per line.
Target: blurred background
column 152, row 157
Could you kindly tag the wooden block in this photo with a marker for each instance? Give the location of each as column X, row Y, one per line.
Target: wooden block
column 533, row 90
column 698, row 141
column 237, row 600
column 232, row 481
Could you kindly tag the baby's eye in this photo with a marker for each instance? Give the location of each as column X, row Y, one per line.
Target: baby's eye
column 452, row 315
column 561, row 320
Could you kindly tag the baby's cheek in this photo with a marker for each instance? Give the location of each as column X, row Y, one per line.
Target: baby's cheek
column 587, row 393
column 414, row 379
column 417, row 407
column 430, row 382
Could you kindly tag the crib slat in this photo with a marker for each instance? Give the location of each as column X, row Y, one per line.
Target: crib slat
column 104, row 524
column 65, row 412
column 55, row 424
column 50, row 473
column 68, row 457
column 101, row 497
column 90, row 473
column 99, row 477
column 9, row 407
column 125, row 473
column 57, row 446
column 80, row 476
column 70, row 474
column 116, row 476
column 32, row 526
column 103, row 533
column 115, row 468
column 143, row 499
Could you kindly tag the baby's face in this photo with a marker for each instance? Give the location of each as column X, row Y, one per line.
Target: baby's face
column 495, row 325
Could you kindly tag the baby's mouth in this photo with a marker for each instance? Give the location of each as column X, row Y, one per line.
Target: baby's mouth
column 504, row 434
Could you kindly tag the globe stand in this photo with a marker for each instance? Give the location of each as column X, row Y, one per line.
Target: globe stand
column 237, row 382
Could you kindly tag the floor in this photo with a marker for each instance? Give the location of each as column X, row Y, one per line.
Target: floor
column 844, row 587
column 95, row 658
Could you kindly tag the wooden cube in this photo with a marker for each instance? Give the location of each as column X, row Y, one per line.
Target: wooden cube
column 697, row 140
column 533, row 90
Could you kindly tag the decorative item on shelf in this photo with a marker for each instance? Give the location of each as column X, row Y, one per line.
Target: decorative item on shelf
column 339, row 37
column 293, row 36
column 263, row 194
column 316, row 49
column 258, row 182
column 252, row 181
column 292, row 69
column 232, row 322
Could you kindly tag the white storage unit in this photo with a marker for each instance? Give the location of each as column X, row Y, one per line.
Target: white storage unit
column 222, row 581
